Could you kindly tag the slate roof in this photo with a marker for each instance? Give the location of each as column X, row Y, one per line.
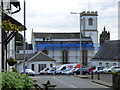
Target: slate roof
column 38, row 56
column 108, row 51
column 28, row 47
column 20, row 56
column 41, row 57
column 68, row 35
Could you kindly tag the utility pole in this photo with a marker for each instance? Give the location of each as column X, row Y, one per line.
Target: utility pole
column 80, row 41
column 24, row 44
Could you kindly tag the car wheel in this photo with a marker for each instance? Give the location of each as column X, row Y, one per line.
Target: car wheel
column 75, row 74
column 109, row 71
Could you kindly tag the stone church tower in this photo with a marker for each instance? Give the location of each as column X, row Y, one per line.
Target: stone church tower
column 89, row 25
column 104, row 36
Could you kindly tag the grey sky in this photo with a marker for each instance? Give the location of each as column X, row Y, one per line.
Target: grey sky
column 54, row 15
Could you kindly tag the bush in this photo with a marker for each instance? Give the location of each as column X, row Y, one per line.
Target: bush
column 11, row 61
column 16, row 80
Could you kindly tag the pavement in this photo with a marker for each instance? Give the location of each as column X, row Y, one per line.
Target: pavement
column 103, row 82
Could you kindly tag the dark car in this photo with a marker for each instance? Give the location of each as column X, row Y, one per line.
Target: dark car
column 84, row 71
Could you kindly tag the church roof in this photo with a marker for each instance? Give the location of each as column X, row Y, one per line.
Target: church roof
column 69, row 35
column 109, row 51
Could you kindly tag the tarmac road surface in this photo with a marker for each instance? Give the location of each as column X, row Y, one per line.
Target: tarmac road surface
column 64, row 81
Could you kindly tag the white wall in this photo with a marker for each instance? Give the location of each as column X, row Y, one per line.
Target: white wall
column 37, row 63
column 73, row 56
column 93, row 35
column 20, row 66
column 87, row 26
column 96, row 63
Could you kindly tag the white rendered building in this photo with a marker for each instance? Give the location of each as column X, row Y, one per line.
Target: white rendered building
column 65, row 47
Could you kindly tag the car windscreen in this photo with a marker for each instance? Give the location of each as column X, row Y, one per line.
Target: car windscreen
column 61, row 67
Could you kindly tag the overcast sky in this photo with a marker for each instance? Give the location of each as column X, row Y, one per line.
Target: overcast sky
column 54, row 15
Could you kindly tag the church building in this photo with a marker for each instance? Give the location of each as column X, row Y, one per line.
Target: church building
column 65, row 47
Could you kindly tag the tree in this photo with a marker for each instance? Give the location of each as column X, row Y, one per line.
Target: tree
column 19, row 39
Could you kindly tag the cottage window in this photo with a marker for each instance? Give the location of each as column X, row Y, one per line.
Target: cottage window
column 32, row 67
column 114, row 64
column 51, row 65
column 100, row 63
column 41, row 67
column 107, row 65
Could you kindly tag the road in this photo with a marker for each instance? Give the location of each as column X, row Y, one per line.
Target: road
column 63, row 81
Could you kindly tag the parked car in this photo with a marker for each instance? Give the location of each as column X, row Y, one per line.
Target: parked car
column 29, row 72
column 97, row 69
column 44, row 71
column 70, row 72
column 91, row 69
column 84, row 71
column 117, row 69
column 112, row 69
column 105, row 69
column 65, row 71
column 100, row 70
column 53, row 70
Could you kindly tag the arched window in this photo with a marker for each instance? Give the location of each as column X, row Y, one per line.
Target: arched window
column 45, row 51
column 90, row 21
column 64, row 57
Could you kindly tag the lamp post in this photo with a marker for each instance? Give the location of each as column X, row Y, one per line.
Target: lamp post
column 80, row 40
column 24, row 45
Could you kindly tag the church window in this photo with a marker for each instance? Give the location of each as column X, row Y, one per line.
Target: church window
column 84, row 58
column 90, row 21
column 65, row 57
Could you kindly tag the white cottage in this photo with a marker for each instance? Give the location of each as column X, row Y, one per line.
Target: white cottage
column 36, row 61
column 108, row 55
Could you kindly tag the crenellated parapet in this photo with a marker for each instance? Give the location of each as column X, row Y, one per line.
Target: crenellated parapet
column 89, row 13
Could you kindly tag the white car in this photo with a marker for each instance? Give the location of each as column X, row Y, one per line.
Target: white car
column 105, row 70
column 52, row 70
column 112, row 69
column 117, row 69
column 98, row 69
column 44, row 71
column 70, row 72
column 65, row 71
column 28, row 71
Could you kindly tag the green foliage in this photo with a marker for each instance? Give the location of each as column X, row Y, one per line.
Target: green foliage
column 18, row 39
column 0, row 81
column 8, row 26
column 11, row 61
column 16, row 81
column 14, row 70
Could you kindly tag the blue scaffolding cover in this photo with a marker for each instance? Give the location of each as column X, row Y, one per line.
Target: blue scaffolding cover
column 40, row 47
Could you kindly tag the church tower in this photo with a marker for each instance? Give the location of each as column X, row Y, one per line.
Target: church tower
column 104, row 36
column 89, row 25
